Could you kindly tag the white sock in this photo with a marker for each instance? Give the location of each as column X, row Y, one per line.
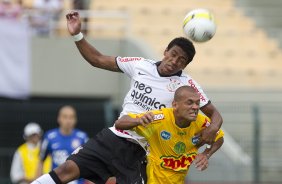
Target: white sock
column 44, row 179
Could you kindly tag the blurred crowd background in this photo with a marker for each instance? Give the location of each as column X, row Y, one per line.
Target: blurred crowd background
column 240, row 69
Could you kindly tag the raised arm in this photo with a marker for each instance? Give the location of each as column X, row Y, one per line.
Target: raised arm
column 89, row 53
column 126, row 122
column 208, row 134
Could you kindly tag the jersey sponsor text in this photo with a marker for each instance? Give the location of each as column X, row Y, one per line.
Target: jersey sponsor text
column 202, row 98
column 181, row 163
column 127, row 59
column 141, row 97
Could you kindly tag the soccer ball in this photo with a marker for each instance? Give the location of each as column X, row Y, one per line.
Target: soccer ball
column 199, row 25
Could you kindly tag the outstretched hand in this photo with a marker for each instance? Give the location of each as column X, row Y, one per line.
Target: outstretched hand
column 73, row 23
column 201, row 161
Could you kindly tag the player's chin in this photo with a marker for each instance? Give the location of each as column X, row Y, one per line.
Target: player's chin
column 192, row 118
column 170, row 70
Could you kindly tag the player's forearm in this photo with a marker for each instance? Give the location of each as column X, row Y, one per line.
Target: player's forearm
column 216, row 119
column 214, row 148
column 88, row 52
column 39, row 169
column 95, row 58
column 126, row 123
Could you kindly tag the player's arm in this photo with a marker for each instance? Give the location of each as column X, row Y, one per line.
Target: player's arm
column 89, row 53
column 201, row 161
column 17, row 172
column 208, row 135
column 39, row 168
column 210, row 151
column 44, row 151
column 127, row 122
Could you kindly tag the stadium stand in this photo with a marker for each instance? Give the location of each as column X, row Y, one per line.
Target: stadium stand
column 267, row 15
column 238, row 49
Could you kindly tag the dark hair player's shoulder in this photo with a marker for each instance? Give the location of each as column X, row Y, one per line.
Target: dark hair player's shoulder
column 185, row 44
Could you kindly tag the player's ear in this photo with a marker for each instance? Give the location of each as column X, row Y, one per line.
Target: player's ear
column 174, row 104
column 58, row 120
column 165, row 51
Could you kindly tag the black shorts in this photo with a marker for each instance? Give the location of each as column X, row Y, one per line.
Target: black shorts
column 108, row 155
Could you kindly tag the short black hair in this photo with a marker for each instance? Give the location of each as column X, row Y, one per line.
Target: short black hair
column 186, row 45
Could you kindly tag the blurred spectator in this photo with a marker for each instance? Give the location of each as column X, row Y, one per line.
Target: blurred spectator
column 26, row 158
column 82, row 5
column 14, row 52
column 9, row 10
column 61, row 142
column 45, row 15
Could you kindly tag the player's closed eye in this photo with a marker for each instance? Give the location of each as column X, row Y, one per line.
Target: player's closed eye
column 189, row 102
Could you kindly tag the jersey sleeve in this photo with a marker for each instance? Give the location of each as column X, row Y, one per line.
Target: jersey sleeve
column 204, row 100
column 127, row 64
column 219, row 135
column 17, row 172
column 44, row 149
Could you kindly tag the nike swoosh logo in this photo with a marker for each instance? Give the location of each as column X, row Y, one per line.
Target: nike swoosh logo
column 139, row 73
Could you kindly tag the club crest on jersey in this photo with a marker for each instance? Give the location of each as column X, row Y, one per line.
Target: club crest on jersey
column 180, row 148
column 75, row 143
column 165, row 135
column 173, row 85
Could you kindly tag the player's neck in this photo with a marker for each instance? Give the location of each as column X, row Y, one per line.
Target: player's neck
column 159, row 69
column 32, row 144
column 182, row 123
column 65, row 131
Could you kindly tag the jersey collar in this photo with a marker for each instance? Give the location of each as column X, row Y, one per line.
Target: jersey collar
column 176, row 74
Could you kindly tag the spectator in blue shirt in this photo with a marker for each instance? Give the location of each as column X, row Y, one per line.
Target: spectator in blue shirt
column 62, row 141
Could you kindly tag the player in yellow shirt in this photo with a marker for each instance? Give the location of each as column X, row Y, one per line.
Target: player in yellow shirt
column 170, row 133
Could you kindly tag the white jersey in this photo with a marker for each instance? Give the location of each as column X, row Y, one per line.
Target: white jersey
column 149, row 90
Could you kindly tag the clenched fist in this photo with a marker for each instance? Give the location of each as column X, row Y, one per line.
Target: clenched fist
column 146, row 119
column 73, row 23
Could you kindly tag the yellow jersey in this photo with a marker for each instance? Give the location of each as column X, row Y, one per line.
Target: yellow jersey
column 171, row 149
column 30, row 160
